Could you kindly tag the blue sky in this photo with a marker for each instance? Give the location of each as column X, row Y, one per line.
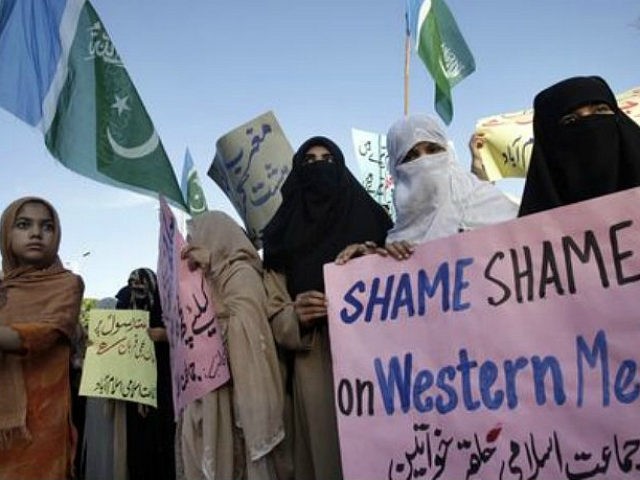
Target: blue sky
column 204, row 67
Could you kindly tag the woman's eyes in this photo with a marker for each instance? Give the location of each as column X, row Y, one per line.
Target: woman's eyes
column 585, row 111
column 603, row 109
column 25, row 225
column 416, row 152
column 412, row 155
column 431, row 149
column 568, row 119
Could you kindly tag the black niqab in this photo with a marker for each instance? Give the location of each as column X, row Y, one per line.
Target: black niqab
column 150, row 439
column 323, row 210
column 592, row 156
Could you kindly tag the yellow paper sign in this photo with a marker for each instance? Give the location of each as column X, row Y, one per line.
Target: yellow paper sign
column 508, row 144
column 509, row 137
column 120, row 362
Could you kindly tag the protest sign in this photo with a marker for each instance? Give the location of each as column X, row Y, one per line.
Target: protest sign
column 250, row 165
column 507, row 352
column 371, row 153
column 199, row 361
column 120, row 360
column 629, row 103
column 508, row 143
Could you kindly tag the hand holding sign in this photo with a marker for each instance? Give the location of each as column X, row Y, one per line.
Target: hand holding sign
column 507, row 350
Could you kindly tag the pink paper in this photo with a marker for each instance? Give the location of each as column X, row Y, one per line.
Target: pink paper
column 461, row 369
column 199, row 362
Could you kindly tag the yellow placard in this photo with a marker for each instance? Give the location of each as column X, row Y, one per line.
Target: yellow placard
column 120, row 361
column 508, row 144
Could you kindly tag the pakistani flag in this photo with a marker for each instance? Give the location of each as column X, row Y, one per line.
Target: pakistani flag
column 59, row 71
column 191, row 188
column 442, row 49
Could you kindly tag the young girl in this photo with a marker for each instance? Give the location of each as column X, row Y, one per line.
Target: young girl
column 39, row 310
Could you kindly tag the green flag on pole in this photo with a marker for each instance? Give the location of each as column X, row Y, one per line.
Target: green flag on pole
column 191, row 187
column 61, row 72
column 443, row 50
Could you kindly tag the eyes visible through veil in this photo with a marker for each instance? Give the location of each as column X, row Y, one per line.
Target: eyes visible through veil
column 586, row 111
column 317, row 153
column 421, row 149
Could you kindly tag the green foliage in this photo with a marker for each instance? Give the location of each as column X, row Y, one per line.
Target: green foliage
column 87, row 304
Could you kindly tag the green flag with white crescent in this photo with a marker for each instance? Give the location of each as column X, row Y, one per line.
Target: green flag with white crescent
column 444, row 51
column 61, row 72
column 191, row 188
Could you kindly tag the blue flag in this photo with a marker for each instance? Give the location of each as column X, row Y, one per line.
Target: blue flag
column 412, row 9
column 60, row 72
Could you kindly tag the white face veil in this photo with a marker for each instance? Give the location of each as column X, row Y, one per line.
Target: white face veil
column 433, row 197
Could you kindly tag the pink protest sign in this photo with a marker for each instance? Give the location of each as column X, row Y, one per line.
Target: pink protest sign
column 510, row 352
column 199, row 362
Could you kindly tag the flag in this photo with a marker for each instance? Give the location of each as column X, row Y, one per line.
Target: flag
column 412, row 9
column 441, row 47
column 61, row 73
column 191, row 188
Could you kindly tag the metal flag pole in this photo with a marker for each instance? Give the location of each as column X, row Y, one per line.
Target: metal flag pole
column 407, row 56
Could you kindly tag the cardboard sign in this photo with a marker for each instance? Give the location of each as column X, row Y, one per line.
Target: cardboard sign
column 507, row 352
column 120, row 361
column 250, row 165
column 199, row 362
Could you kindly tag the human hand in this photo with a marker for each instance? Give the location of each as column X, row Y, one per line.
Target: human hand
column 197, row 257
column 358, row 250
column 400, row 250
column 158, row 334
column 476, row 142
column 143, row 410
column 310, row 306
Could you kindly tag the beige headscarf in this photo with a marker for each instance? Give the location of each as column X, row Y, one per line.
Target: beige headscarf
column 235, row 276
column 30, row 294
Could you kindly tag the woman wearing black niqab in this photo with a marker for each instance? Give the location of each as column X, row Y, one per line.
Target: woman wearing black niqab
column 584, row 146
column 150, row 432
column 323, row 210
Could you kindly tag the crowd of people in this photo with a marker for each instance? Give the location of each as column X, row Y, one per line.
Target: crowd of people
column 276, row 418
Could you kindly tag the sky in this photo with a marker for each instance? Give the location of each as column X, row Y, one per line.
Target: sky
column 324, row 67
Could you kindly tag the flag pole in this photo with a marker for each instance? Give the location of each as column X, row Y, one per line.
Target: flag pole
column 407, row 55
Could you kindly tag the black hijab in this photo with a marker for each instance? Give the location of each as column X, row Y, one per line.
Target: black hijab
column 141, row 293
column 592, row 156
column 150, row 438
column 323, row 210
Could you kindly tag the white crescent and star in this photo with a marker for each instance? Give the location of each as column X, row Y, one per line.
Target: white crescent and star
column 197, row 205
column 120, row 104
